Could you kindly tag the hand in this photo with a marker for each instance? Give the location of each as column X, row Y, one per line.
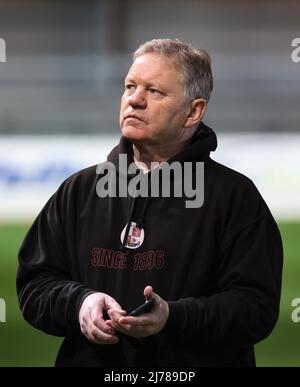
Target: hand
column 146, row 324
column 91, row 320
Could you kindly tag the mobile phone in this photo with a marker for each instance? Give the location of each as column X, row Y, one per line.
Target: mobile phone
column 145, row 307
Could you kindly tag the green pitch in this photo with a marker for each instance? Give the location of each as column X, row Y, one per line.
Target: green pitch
column 21, row 345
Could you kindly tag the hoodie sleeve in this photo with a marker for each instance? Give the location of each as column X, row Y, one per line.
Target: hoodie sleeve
column 245, row 307
column 48, row 298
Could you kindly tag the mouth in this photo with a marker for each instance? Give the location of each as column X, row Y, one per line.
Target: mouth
column 132, row 116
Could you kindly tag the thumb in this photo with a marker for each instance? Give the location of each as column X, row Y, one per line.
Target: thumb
column 148, row 293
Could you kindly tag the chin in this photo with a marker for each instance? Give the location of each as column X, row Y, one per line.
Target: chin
column 133, row 134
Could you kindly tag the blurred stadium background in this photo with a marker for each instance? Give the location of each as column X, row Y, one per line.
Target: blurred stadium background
column 59, row 102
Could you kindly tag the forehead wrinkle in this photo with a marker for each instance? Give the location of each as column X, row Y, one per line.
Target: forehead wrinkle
column 152, row 78
column 142, row 81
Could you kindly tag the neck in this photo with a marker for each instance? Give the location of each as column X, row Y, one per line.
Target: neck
column 148, row 157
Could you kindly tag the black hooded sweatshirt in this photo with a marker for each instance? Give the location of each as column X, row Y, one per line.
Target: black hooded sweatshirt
column 218, row 266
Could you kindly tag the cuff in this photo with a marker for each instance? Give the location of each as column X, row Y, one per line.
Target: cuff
column 175, row 321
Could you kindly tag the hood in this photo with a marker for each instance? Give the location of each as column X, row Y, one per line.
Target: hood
column 202, row 143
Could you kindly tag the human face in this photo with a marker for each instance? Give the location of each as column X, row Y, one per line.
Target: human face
column 153, row 107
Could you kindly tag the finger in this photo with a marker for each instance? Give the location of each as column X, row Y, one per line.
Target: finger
column 102, row 325
column 110, row 323
column 134, row 321
column 101, row 337
column 135, row 331
column 115, row 315
column 148, row 292
column 123, row 328
column 97, row 337
column 111, row 303
column 95, row 318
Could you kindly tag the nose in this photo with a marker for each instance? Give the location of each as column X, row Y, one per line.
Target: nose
column 138, row 99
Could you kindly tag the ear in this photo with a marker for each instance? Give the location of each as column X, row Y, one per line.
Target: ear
column 197, row 110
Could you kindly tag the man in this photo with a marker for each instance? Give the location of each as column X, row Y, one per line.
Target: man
column 213, row 270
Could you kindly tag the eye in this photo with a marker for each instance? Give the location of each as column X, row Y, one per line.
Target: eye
column 155, row 91
column 130, row 87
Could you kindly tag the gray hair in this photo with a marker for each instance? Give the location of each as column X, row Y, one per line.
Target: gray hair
column 193, row 63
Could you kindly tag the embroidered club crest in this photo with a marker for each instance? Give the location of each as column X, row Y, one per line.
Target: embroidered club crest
column 135, row 236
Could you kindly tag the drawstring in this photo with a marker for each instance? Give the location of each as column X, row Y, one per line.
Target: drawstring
column 139, row 223
column 123, row 245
